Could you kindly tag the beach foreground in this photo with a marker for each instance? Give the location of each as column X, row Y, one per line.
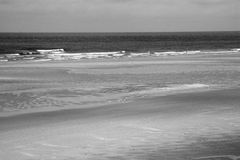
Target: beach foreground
column 203, row 125
column 172, row 108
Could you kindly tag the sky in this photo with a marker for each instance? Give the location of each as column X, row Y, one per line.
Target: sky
column 119, row 15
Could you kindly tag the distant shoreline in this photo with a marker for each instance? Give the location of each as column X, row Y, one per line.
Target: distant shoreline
column 133, row 32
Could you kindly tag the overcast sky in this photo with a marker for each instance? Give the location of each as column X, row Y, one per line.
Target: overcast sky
column 118, row 15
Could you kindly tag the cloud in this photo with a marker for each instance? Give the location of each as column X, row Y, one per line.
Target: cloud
column 131, row 8
column 118, row 14
column 5, row 2
column 26, row 5
column 215, row 2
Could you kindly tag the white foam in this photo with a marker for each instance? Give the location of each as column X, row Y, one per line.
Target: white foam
column 119, row 54
column 3, row 60
column 47, row 51
column 90, row 55
column 174, row 53
column 170, row 53
column 60, row 54
column 12, row 55
column 236, row 49
column 64, row 56
column 193, row 52
column 100, row 53
column 220, row 51
column 195, row 85
column 139, row 54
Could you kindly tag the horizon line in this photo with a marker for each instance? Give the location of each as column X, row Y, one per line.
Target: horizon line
column 124, row 32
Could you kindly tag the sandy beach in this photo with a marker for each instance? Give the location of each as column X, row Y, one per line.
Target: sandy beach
column 140, row 109
column 184, row 126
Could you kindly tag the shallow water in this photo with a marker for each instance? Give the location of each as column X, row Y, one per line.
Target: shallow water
column 135, row 108
column 75, row 84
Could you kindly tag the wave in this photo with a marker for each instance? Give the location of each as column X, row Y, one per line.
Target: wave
column 139, row 54
column 91, row 55
column 175, row 53
column 49, row 51
column 220, row 51
column 3, row 60
column 168, row 53
column 61, row 54
column 236, row 49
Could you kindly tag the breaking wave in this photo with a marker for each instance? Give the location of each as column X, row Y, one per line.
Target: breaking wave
column 51, row 51
column 41, row 55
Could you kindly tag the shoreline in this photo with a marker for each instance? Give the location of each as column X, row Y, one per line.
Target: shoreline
column 165, row 71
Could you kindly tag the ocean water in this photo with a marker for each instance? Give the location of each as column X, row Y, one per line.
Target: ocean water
column 64, row 46
column 118, row 77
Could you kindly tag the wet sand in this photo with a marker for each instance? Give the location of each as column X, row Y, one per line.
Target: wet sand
column 200, row 125
column 121, row 109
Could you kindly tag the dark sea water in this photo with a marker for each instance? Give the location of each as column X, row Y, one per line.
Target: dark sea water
column 15, row 43
column 103, row 42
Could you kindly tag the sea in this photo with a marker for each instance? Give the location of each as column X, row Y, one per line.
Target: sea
column 75, row 46
column 102, row 68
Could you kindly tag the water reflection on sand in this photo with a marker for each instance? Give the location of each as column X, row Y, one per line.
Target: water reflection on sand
column 131, row 110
